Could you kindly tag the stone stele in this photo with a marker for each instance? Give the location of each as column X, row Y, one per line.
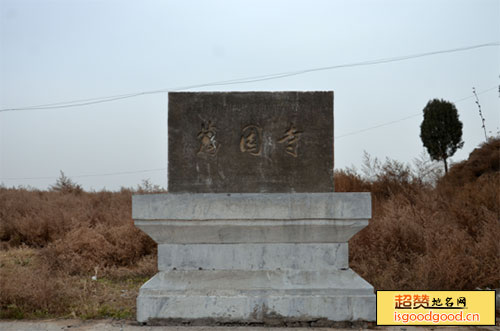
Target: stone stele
column 225, row 142
column 250, row 231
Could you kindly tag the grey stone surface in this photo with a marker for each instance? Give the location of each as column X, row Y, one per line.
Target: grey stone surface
column 251, row 217
column 226, row 282
column 254, row 296
column 253, row 256
column 497, row 299
column 250, row 142
column 251, row 206
column 250, row 231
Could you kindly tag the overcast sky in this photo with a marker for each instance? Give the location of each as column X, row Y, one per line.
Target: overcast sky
column 53, row 51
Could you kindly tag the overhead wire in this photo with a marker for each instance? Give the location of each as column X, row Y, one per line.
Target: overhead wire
column 89, row 101
column 91, row 175
column 407, row 117
column 245, row 80
column 163, row 169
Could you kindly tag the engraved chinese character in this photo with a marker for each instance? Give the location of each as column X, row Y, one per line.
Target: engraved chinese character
column 291, row 138
column 209, row 145
column 251, row 140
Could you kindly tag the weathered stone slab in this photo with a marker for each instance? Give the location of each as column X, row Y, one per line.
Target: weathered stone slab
column 256, row 296
column 250, row 231
column 250, row 142
column 252, row 257
column 216, row 218
column 263, row 256
column 246, row 206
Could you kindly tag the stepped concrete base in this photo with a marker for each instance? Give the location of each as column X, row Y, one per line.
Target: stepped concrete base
column 257, row 296
column 254, row 258
column 330, row 256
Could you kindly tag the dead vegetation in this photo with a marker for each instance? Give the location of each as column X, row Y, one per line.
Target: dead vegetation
column 54, row 242
column 431, row 236
column 427, row 232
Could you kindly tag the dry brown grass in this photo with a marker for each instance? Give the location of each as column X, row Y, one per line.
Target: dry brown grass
column 75, row 233
column 28, row 284
column 30, row 289
column 423, row 235
column 429, row 237
column 64, row 237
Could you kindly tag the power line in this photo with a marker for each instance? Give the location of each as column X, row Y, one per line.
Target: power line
column 92, row 175
column 91, row 101
column 378, row 126
column 336, row 137
column 407, row 117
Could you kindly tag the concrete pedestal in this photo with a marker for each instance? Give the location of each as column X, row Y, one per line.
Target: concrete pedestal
column 253, row 258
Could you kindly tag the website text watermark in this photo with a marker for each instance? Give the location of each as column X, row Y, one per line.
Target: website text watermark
column 436, row 307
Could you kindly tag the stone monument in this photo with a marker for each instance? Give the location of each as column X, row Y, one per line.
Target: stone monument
column 251, row 230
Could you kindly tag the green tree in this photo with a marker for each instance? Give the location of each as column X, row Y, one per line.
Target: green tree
column 441, row 130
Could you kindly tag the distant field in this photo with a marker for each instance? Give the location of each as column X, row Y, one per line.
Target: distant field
column 428, row 232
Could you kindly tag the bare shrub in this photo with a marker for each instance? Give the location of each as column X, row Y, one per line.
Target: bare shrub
column 431, row 237
column 419, row 244
column 83, row 250
column 66, row 185
column 30, row 289
column 146, row 187
column 77, row 232
column 72, row 236
column 32, row 217
column 28, row 286
column 423, row 235
column 485, row 159
column 426, row 170
column 349, row 181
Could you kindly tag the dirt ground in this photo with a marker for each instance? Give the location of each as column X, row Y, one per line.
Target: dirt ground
column 117, row 325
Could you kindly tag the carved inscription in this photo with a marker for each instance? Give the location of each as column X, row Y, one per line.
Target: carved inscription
column 291, row 140
column 251, row 140
column 208, row 142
